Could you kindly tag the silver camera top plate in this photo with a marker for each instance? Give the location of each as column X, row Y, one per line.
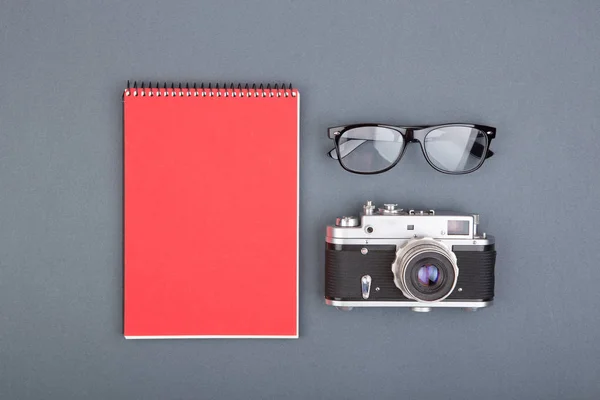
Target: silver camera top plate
column 390, row 223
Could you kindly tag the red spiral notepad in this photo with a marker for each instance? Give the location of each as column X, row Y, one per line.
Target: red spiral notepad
column 211, row 212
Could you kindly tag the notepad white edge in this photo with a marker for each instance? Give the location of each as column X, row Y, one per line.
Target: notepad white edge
column 212, row 337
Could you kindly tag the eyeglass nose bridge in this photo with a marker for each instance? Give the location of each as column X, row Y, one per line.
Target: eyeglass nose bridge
column 409, row 136
column 415, row 135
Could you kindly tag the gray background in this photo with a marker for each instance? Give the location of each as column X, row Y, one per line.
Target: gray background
column 528, row 68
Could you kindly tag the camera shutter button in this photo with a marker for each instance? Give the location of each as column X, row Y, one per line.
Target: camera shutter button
column 390, row 209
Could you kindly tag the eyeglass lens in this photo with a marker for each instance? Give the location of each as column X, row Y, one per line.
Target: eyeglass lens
column 456, row 148
column 369, row 148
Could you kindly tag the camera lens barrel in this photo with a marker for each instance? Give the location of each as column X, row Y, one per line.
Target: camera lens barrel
column 425, row 270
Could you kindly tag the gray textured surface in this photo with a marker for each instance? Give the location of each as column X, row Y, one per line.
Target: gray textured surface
column 529, row 68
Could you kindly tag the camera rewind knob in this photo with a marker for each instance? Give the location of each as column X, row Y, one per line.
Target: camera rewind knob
column 347, row 221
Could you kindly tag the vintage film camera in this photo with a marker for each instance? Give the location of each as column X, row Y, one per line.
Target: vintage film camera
column 390, row 257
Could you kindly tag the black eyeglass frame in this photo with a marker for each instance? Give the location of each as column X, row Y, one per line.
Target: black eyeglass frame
column 412, row 134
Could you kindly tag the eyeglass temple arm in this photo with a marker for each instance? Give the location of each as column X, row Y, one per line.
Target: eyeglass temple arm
column 348, row 147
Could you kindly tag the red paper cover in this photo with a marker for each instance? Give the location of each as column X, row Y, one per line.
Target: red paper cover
column 211, row 213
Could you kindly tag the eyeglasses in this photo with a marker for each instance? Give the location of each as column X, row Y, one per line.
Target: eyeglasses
column 372, row 148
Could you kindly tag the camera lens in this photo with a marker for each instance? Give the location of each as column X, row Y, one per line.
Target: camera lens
column 425, row 270
column 428, row 275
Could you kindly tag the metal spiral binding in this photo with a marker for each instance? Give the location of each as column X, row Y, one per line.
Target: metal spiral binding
column 195, row 90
